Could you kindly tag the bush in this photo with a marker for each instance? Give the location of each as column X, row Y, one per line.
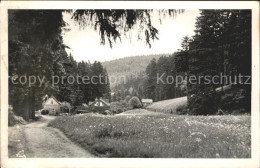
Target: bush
column 127, row 98
column 235, row 101
column 182, row 109
column 119, row 107
column 203, row 104
column 45, row 112
column 135, row 102
column 100, row 109
column 14, row 119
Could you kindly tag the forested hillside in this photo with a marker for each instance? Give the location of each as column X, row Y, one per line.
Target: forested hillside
column 129, row 65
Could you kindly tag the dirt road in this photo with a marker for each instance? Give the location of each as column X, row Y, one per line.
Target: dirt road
column 41, row 141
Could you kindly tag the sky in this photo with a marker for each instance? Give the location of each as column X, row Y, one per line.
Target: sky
column 85, row 43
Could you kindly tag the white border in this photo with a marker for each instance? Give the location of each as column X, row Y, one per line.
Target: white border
column 98, row 162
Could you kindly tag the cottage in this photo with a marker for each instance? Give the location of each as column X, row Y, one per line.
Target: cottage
column 147, row 102
column 52, row 105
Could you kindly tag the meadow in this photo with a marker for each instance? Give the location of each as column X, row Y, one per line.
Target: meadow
column 168, row 106
column 159, row 136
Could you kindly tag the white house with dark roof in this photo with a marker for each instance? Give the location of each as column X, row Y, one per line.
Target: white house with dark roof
column 52, row 105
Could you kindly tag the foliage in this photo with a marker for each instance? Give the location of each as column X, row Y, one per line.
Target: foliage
column 159, row 136
column 108, row 22
column 222, row 43
column 99, row 109
column 162, row 82
column 234, row 101
column 135, row 102
column 45, row 112
column 34, row 41
column 14, row 119
column 127, row 98
column 119, row 107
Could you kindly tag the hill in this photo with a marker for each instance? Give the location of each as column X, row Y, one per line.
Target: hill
column 129, row 65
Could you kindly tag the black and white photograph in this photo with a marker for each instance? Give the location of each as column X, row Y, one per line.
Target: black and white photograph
column 126, row 82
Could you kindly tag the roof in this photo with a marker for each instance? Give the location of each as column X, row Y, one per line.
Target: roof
column 106, row 103
column 102, row 100
column 147, row 100
column 54, row 99
column 84, row 104
column 91, row 102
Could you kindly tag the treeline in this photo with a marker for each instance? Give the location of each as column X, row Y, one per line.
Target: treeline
column 36, row 49
column 90, row 81
column 128, row 66
column 221, row 45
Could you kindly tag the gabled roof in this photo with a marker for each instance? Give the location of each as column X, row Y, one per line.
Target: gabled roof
column 54, row 99
column 100, row 99
column 106, row 103
column 84, row 104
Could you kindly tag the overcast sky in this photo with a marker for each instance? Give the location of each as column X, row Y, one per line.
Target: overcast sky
column 85, row 44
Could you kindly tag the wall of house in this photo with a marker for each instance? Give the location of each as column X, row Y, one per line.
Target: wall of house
column 52, row 108
column 52, row 105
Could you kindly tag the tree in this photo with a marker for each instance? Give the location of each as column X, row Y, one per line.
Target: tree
column 216, row 48
column 150, row 82
column 127, row 98
column 108, row 22
column 135, row 102
column 35, row 41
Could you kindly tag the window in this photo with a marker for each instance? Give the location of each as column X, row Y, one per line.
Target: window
column 51, row 101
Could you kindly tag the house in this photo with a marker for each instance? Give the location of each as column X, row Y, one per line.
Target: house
column 147, row 102
column 99, row 103
column 52, row 105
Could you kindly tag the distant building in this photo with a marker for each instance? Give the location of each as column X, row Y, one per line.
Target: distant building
column 54, row 106
column 147, row 102
column 99, row 103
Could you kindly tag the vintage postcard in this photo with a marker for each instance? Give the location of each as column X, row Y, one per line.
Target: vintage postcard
column 129, row 84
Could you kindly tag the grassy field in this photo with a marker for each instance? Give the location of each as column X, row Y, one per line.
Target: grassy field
column 158, row 136
column 168, row 106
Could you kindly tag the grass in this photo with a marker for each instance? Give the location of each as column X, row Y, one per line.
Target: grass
column 168, row 106
column 160, row 136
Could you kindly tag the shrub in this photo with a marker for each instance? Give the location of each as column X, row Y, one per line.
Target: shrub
column 127, row 98
column 119, row 107
column 182, row 109
column 45, row 112
column 100, row 109
column 203, row 104
column 135, row 102
column 14, row 119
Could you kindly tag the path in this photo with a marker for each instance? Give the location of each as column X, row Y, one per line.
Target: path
column 47, row 142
